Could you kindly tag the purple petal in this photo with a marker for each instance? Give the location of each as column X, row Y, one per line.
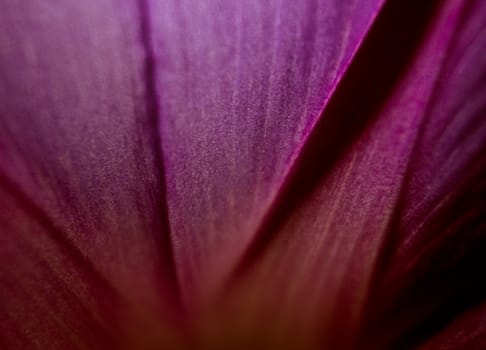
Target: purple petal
column 78, row 144
column 240, row 85
column 307, row 278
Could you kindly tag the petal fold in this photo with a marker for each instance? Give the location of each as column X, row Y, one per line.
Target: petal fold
column 78, row 143
column 241, row 85
column 308, row 279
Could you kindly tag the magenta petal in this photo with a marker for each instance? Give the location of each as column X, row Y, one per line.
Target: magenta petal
column 241, row 84
column 309, row 281
column 433, row 267
column 77, row 143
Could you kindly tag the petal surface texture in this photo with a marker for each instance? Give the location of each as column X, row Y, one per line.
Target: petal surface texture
column 82, row 214
column 241, row 84
column 433, row 266
column 302, row 174
column 385, row 180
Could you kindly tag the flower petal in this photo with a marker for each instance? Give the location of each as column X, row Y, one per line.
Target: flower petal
column 307, row 278
column 241, row 85
column 436, row 253
column 40, row 305
column 77, row 142
column 468, row 332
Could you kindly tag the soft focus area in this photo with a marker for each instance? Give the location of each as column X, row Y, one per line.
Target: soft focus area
column 243, row 174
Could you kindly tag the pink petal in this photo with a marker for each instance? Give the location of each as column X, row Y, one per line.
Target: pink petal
column 241, row 84
column 305, row 281
column 78, row 143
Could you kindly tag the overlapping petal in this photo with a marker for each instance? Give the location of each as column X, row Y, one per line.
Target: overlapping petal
column 129, row 126
column 240, row 84
column 401, row 148
column 434, row 268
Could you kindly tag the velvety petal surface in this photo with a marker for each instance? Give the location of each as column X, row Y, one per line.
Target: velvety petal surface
column 393, row 144
column 240, row 85
column 81, row 198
